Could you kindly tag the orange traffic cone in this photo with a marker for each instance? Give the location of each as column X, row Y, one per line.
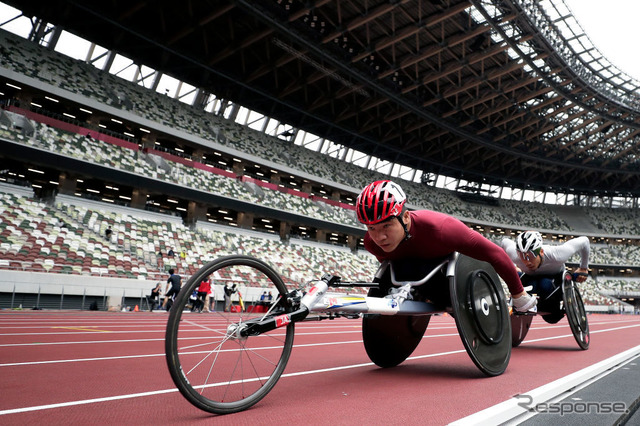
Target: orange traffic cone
column 136, row 309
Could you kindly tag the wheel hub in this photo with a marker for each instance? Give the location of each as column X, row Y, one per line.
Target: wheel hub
column 234, row 331
column 485, row 306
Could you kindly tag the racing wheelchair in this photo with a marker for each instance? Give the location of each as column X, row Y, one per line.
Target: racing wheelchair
column 564, row 299
column 226, row 362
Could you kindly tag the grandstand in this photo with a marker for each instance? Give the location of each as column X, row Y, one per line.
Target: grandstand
column 83, row 149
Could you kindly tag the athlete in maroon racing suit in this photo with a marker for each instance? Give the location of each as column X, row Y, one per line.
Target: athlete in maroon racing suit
column 395, row 233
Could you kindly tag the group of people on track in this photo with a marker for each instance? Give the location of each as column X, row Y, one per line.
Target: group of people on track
column 199, row 299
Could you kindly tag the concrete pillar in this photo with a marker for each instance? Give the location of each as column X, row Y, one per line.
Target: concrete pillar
column 195, row 212
column 245, row 220
column 67, row 184
column 139, row 198
column 352, row 242
column 285, row 231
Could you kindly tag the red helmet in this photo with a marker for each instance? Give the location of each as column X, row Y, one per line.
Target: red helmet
column 379, row 201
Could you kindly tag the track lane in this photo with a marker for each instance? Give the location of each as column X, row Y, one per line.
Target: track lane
column 438, row 384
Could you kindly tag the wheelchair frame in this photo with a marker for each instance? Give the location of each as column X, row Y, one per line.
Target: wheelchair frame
column 479, row 308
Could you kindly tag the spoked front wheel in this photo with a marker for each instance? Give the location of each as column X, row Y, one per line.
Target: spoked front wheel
column 215, row 364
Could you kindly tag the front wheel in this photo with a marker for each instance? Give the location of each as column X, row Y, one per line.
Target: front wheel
column 214, row 365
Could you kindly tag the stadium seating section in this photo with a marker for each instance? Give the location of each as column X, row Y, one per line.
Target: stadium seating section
column 68, row 236
column 70, row 239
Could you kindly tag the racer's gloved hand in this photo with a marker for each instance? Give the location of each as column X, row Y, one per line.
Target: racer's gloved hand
column 400, row 293
column 525, row 303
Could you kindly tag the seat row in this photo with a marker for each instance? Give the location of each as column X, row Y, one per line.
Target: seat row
column 66, row 238
column 86, row 80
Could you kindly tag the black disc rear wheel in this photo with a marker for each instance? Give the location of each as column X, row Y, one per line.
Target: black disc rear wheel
column 390, row 339
column 576, row 314
column 481, row 314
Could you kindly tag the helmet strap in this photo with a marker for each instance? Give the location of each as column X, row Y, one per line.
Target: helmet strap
column 407, row 235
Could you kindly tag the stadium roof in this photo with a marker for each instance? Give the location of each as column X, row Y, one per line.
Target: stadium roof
column 468, row 89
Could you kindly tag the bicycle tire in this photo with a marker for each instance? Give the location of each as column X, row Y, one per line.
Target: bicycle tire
column 208, row 365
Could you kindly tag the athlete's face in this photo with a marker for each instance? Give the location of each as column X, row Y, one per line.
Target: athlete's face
column 388, row 234
column 531, row 260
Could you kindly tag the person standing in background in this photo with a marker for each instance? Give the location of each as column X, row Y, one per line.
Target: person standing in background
column 203, row 293
column 175, row 281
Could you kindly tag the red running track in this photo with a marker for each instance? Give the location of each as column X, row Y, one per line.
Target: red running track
column 78, row 368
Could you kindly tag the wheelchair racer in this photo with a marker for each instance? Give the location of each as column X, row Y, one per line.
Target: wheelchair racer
column 395, row 233
column 543, row 267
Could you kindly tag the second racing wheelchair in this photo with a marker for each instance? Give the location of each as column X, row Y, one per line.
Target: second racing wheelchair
column 564, row 300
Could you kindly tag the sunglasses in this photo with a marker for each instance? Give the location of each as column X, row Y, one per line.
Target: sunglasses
column 529, row 256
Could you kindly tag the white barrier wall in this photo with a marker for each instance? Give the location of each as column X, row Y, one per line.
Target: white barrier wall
column 45, row 283
column 113, row 288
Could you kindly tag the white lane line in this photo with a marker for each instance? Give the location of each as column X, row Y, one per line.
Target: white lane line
column 85, row 401
column 13, row 364
column 57, row 333
column 161, row 339
column 63, row 361
column 164, row 391
column 305, row 326
column 80, row 342
column 571, row 335
column 84, row 331
column 162, row 327
column 11, row 345
column 514, row 407
column 297, row 334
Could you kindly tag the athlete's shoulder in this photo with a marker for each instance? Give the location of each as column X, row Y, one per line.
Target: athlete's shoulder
column 507, row 243
column 432, row 221
column 429, row 215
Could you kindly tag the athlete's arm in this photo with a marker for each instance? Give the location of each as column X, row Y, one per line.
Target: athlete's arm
column 581, row 246
column 471, row 243
column 578, row 245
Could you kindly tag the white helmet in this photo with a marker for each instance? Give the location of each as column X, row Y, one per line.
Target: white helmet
column 529, row 241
